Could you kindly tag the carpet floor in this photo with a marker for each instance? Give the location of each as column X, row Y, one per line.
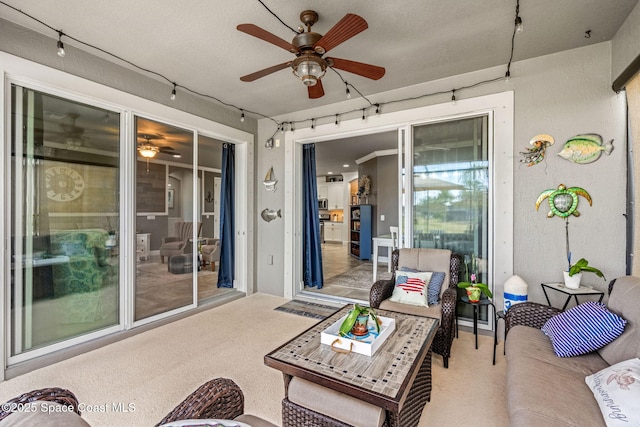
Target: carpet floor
column 155, row 370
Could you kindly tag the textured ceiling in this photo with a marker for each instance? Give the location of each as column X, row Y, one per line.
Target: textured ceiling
column 196, row 43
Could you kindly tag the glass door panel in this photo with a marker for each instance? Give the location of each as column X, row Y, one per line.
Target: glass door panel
column 451, row 193
column 65, row 211
column 166, row 248
column 209, row 179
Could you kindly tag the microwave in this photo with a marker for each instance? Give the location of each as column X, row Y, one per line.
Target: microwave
column 323, row 204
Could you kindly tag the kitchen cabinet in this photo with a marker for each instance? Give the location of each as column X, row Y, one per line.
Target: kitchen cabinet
column 360, row 217
column 335, row 195
column 323, row 191
column 333, row 231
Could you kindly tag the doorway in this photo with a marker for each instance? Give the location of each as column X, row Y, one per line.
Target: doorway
column 340, row 166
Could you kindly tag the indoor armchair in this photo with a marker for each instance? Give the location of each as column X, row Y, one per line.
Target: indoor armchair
column 178, row 244
column 210, row 251
column 425, row 260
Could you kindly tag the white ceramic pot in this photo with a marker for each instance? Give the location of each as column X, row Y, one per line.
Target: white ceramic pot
column 572, row 282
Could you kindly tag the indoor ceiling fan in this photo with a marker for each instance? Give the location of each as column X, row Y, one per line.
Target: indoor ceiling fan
column 309, row 47
column 149, row 150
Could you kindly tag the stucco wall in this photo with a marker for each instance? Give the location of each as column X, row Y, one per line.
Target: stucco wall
column 563, row 94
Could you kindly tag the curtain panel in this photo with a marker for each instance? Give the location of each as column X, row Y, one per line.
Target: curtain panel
column 311, row 251
column 227, row 214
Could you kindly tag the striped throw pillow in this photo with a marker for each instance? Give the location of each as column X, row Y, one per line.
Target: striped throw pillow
column 583, row 329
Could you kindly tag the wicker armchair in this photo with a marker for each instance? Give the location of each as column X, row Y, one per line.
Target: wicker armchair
column 219, row 398
column 383, row 289
column 53, row 394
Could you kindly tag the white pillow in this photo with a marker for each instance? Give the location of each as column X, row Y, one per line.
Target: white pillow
column 617, row 390
column 411, row 288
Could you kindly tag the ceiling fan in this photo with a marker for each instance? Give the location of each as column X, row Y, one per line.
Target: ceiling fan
column 309, row 48
column 149, row 150
column 70, row 134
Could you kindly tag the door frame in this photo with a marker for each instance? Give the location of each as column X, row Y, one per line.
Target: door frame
column 17, row 70
column 501, row 174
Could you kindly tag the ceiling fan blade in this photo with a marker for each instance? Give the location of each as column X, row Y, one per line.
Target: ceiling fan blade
column 316, row 91
column 254, row 30
column 365, row 70
column 254, row 76
column 346, row 28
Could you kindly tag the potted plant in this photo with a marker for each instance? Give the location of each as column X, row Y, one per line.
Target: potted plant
column 357, row 320
column 475, row 290
column 574, row 275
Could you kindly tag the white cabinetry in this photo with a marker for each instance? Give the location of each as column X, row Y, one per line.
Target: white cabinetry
column 335, row 195
column 333, row 231
column 142, row 246
column 323, row 191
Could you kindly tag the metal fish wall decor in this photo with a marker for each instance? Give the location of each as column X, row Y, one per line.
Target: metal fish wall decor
column 585, row 148
column 269, row 215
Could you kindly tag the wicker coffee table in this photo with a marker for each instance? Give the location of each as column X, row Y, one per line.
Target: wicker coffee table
column 396, row 378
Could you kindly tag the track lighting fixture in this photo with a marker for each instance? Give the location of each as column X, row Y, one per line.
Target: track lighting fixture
column 173, row 93
column 61, row 51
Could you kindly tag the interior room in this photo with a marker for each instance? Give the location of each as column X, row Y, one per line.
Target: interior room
column 348, row 204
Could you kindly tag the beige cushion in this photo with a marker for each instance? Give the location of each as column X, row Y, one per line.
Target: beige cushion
column 423, row 259
column 335, row 404
column 624, row 302
column 543, row 389
column 254, row 421
column 433, row 311
column 45, row 414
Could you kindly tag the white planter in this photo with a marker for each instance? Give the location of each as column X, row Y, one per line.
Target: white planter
column 572, row 282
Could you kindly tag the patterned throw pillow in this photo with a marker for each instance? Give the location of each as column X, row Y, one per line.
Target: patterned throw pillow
column 617, row 390
column 434, row 286
column 411, row 288
column 583, row 329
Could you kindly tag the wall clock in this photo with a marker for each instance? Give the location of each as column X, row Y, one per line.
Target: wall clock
column 63, row 184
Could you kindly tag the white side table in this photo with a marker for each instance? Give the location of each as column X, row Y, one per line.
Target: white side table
column 143, row 246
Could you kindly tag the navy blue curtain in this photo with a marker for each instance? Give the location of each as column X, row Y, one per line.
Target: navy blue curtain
column 311, row 251
column 227, row 226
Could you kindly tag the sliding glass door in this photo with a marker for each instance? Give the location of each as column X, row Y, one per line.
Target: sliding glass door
column 65, row 220
column 451, row 192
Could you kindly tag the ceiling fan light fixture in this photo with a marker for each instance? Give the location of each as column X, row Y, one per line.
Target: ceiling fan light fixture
column 148, row 151
column 309, row 69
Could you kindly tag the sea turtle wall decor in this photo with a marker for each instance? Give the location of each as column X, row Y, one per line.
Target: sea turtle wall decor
column 535, row 154
column 563, row 201
column 585, row 148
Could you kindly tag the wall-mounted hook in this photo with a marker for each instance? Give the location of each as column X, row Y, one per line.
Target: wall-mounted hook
column 587, row 34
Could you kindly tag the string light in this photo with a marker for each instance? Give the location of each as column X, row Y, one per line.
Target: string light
column 242, row 116
column 313, row 124
column 518, row 27
column 453, row 96
column 60, row 45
